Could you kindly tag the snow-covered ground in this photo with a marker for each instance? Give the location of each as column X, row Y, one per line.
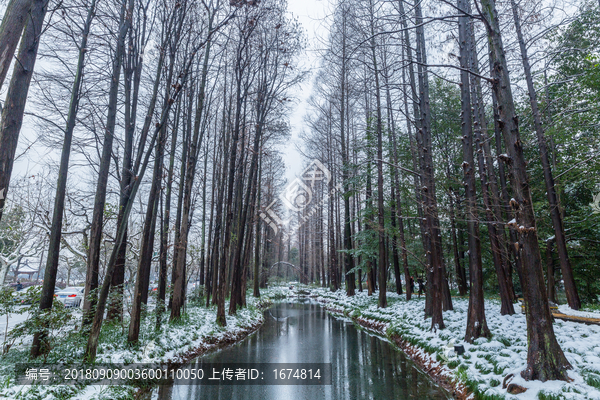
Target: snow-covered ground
column 485, row 363
column 565, row 309
column 13, row 320
column 196, row 332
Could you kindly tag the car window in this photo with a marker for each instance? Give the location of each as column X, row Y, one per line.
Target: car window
column 73, row 289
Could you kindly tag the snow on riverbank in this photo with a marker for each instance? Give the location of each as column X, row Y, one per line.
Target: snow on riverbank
column 178, row 343
column 485, row 363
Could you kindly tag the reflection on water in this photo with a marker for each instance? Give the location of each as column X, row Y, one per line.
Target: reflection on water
column 363, row 366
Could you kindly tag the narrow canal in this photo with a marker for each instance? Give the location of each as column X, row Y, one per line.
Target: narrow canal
column 362, row 366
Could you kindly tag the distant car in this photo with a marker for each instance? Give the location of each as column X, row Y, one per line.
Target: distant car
column 71, row 296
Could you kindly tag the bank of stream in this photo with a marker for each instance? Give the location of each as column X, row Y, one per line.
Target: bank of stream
column 363, row 365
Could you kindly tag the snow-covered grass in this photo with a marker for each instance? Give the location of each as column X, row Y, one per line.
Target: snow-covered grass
column 485, row 363
column 195, row 332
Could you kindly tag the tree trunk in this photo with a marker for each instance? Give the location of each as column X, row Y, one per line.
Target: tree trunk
column 446, row 295
column 397, row 219
column 256, row 278
column 332, row 249
column 489, row 184
column 557, row 220
column 140, row 294
column 476, row 322
column 236, row 295
column 415, row 150
column 203, row 235
column 395, row 255
column 348, row 261
column 16, row 97
column 165, row 222
column 497, row 246
column 229, row 211
column 250, row 237
column 59, row 201
column 545, row 358
column 382, row 260
column 132, row 77
column 369, row 223
column 180, row 195
column 550, row 273
column 178, row 297
column 15, row 18
column 93, row 264
column 459, row 269
column 429, row 196
column 217, row 275
column 209, row 262
column 512, row 244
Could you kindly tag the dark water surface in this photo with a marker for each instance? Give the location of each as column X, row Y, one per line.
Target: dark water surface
column 363, row 366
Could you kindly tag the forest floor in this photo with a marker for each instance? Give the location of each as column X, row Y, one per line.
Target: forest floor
column 175, row 344
column 488, row 367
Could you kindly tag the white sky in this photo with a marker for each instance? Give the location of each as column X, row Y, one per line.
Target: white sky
column 311, row 14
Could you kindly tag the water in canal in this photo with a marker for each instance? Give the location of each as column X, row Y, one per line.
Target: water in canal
column 363, row 366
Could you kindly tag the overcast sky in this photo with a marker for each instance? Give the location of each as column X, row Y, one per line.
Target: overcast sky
column 311, row 14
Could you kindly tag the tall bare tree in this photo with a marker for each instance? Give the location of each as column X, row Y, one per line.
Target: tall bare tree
column 61, row 187
column 476, row 322
column 555, row 209
column 16, row 97
column 545, row 358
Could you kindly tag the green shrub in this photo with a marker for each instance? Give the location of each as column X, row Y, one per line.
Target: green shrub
column 593, row 380
column 548, row 396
